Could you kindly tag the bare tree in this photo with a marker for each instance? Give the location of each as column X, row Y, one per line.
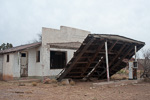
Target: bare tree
column 146, row 63
column 37, row 40
column 39, row 37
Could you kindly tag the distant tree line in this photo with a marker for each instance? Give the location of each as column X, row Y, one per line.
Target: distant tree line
column 5, row 46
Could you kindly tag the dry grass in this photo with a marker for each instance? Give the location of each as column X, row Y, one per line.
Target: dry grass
column 34, row 83
column 54, row 81
column 119, row 77
column 72, row 82
column 63, row 83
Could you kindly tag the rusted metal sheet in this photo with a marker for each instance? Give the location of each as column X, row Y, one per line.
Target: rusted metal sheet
column 90, row 59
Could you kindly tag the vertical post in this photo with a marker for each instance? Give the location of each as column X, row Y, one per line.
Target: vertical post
column 135, row 65
column 106, row 52
column 135, row 53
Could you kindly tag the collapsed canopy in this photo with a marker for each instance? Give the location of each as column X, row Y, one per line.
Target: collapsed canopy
column 89, row 60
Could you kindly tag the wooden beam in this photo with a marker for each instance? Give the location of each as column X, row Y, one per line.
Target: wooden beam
column 114, row 58
column 130, row 48
column 101, row 60
column 94, row 56
column 107, row 62
column 75, row 60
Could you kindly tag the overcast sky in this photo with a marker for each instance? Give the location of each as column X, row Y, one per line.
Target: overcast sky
column 22, row 20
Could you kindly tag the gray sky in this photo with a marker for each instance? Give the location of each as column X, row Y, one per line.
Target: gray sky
column 22, row 20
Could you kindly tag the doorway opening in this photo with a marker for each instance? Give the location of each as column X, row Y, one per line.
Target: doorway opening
column 24, row 64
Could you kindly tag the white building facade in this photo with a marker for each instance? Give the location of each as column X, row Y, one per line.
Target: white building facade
column 46, row 58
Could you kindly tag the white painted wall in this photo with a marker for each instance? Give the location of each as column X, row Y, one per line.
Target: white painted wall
column 1, row 66
column 8, row 67
column 34, row 68
column 70, row 53
column 16, row 64
column 65, row 34
column 12, row 68
column 42, row 68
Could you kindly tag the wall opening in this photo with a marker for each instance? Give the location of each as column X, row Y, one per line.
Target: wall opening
column 57, row 59
column 38, row 56
column 7, row 58
column 24, row 64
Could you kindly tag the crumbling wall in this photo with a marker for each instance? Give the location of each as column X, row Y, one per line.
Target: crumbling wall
column 65, row 34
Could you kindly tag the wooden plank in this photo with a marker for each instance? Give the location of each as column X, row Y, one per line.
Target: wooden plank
column 101, row 60
column 75, row 60
column 81, row 62
column 94, row 56
column 130, row 48
column 119, row 52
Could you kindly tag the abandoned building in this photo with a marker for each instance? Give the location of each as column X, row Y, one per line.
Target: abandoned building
column 67, row 53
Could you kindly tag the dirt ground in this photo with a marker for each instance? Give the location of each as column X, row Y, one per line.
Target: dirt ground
column 80, row 91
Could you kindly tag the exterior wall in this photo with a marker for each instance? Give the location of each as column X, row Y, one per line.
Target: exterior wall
column 8, row 67
column 16, row 64
column 65, row 34
column 70, row 53
column 11, row 69
column 34, row 68
column 1, row 66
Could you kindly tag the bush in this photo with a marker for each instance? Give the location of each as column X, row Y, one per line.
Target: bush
column 72, row 82
column 54, row 81
column 34, row 84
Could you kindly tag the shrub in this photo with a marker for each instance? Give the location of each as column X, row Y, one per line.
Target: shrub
column 72, row 82
column 34, row 84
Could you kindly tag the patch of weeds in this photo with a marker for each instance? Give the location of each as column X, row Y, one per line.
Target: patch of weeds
column 34, row 83
column 94, row 98
column 72, row 82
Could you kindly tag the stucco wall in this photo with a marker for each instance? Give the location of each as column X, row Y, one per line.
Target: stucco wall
column 70, row 53
column 8, row 67
column 65, row 34
column 12, row 68
column 16, row 64
column 34, row 68
column 1, row 66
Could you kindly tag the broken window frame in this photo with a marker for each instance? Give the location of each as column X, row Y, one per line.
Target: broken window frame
column 65, row 60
